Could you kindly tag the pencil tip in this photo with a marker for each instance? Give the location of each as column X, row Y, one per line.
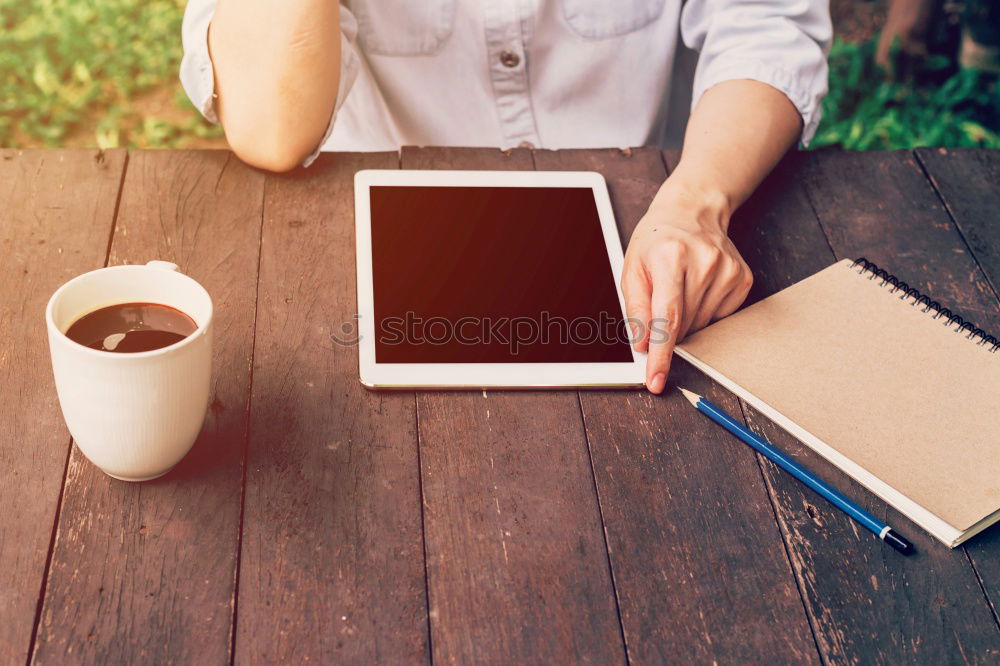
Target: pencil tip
column 692, row 397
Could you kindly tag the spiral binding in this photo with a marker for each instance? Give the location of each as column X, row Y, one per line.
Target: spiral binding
column 908, row 292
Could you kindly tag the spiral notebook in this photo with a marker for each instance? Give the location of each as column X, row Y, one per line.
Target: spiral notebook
column 889, row 386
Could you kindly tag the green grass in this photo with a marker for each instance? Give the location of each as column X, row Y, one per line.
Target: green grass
column 82, row 72
column 82, row 65
column 939, row 105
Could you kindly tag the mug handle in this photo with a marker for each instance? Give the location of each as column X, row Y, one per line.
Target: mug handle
column 163, row 265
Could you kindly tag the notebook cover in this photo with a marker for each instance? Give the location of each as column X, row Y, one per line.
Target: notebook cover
column 897, row 392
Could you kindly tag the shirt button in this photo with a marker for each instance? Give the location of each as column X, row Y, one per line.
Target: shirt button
column 509, row 59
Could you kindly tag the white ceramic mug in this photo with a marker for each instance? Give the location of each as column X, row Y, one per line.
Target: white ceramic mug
column 134, row 415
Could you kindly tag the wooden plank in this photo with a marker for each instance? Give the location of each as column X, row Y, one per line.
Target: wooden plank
column 56, row 215
column 865, row 601
column 516, row 562
column 145, row 572
column 332, row 568
column 966, row 181
column 698, row 562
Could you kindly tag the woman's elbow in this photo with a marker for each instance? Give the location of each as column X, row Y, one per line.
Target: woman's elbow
column 269, row 131
column 271, row 151
column 278, row 162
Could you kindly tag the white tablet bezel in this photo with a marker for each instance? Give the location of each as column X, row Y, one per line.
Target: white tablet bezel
column 482, row 375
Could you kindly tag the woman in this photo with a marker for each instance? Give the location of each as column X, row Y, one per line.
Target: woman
column 289, row 79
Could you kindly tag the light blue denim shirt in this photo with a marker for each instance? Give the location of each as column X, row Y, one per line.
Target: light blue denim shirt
column 546, row 73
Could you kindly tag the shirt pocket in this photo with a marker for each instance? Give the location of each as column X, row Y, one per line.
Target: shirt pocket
column 403, row 27
column 600, row 19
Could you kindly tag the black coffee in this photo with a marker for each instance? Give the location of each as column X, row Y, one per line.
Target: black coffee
column 131, row 327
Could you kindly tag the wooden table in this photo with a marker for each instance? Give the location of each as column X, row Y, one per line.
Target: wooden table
column 317, row 522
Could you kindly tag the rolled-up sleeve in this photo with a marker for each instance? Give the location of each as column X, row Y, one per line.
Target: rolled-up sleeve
column 198, row 77
column 782, row 43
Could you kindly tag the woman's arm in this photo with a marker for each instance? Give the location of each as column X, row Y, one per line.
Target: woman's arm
column 681, row 270
column 277, row 70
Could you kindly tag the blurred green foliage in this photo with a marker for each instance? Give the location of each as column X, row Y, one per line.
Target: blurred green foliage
column 937, row 104
column 83, row 65
column 81, row 72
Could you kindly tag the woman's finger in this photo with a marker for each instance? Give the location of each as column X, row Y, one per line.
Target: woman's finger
column 697, row 291
column 726, row 281
column 667, row 314
column 637, row 292
column 737, row 294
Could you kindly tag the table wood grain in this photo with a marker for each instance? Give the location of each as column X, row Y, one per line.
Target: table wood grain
column 315, row 521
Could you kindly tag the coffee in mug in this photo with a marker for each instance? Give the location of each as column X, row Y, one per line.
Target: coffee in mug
column 127, row 328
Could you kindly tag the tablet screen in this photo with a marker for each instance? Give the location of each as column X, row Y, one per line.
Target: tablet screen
column 492, row 275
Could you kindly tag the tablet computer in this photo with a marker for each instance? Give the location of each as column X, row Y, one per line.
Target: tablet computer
column 490, row 279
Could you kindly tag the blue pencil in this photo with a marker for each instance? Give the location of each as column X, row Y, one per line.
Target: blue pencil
column 880, row 529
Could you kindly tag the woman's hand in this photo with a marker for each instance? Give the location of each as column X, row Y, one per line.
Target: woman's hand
column 681, row 272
